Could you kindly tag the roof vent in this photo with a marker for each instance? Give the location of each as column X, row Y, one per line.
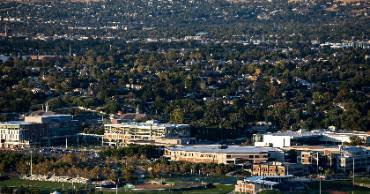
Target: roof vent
column 223, row 146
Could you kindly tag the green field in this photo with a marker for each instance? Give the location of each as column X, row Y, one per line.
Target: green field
column 337, row 186
column 47, row 187
column 39, row 186
column 218, row 189
column 328, row 187
column 363, row 180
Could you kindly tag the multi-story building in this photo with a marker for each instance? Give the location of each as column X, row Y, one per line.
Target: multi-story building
column 14, row 134
column 283, row 139
column 277, row 169
column 149, row 132
column 256, row 184
column 353, row 157
column 315, row 137
column 223, row 154
column 57, row 127
column 339, row 158
column 38, row 129
column 316, row 156
column 242, row 186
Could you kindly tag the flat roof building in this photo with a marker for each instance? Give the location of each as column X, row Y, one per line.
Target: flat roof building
column 150, row 132
column 278, row 169
column 223, row 154
column 256, row 184
column 353, row 156
column 14, row 134
column 315, row 137
column 38, row 129
column 339, row 158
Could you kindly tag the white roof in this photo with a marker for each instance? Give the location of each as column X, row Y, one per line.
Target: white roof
column 229, row 149
column 147, row 125
column 16, row 123
column 261, row 179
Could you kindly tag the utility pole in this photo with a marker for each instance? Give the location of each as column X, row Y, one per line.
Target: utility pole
column 353, row 170
column 287, row 169
column 66, row 143
column 320, row 185
column 70, row 50
column 117, row 186
column 317, row 162
column 6, row 31
column 31, row 164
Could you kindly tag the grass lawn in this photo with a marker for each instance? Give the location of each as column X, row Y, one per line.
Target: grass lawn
column 270, row 192
column 47, row 187
column 43, row 186
column 338, row 186
column 362, row 180
column 218, row 189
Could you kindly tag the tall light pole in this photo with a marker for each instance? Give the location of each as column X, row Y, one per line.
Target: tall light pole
column 320, row 177
column 117, row 186
column 66, row 143
column 317, row 162
column 31, row 164
column 353, row 170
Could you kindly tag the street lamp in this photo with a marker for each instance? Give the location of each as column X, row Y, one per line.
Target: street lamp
column 117, row 186
column 320, row 179
column 353, row 170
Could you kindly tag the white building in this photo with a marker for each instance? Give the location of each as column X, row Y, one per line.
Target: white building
column 270, row 140
column 222, row 154
column 150, row 132
column 14, row 134
column 290, row 138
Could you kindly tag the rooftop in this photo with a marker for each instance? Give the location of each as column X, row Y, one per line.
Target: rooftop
column 16, row 123
column 41, row 113
column 147, row 124
column 295, row 133
column 228, row 149
column 261, row 179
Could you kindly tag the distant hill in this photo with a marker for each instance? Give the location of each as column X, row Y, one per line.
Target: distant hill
column 31, row 1
column 336, row 1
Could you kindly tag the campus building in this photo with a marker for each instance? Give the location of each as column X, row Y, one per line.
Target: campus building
column 278, row 169
column 150, row 132
column 14, row 134
column 256, row 184
column 339, row 158
column 242, row 186
column 353, row 157
column 223, row 154
column 315, row 137
column 38, row 129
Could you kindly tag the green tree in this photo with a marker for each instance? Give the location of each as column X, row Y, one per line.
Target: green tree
column 177, row 116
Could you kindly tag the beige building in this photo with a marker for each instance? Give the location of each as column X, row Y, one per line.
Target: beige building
column 149, row 132
column 340, row 158
column 268, row 170
column 309, row 155
column 246, row 187
column 223, row 154
column 256, row 184
column 277, row 169
column 14, row 134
